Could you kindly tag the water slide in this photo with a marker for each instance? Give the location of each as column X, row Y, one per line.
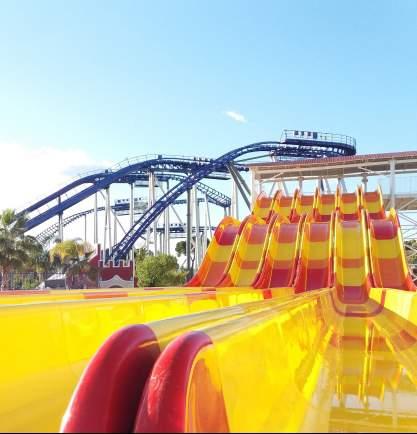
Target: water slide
column 387, row 254
column 305, row 320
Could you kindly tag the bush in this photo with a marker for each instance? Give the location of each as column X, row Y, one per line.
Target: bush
column 159, row 270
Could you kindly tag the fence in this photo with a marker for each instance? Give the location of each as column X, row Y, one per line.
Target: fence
column 33, row 280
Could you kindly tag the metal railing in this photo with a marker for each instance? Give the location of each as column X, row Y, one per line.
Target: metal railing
column 317, row 136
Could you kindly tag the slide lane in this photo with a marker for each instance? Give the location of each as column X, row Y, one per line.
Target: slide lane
column 307, row 368
column 303, row 204
column 373, row 203
column 219, row 252
column 282, row 204
column 324, row 207
column 387, row 256
column 263, row 206
column 349, row 205
column 32, row 297
column 315, row 264
column 352, row 273
column 108, row 394
column 249, row 254
column 49, row 344
column 281, row 258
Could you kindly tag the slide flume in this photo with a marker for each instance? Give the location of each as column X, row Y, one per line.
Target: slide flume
column 301, row 317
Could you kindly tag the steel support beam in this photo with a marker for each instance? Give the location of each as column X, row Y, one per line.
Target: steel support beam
column 108, row 212
column 189, row 231
column 240, row 178
column 197, row 229
column 254, row 192
column 167, row 240
column 132, row 213
column 235, row 200
column 392, row 183
column 60, row 223
column 95, row 220
column 114, row 228
column 85, row 227
column 365, row 183
column 240, row 187
column 208, row 218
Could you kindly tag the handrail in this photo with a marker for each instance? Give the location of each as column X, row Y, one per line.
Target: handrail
column 319, row 137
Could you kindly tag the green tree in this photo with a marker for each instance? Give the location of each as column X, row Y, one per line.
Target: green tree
column 181, row 249
column 159, row 270
column 411, row 254
column 73, row 259
column 17, row 250
column 142, row 253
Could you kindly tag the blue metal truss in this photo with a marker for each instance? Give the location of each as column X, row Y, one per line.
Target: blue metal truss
column 196, row 169
column 213, row 196
column 123, row 174
column 138, row 229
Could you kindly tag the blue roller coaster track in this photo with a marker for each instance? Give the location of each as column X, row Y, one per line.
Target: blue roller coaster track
column 213, row 196
column 125, row 172
column 121, row 250
column 293, row 144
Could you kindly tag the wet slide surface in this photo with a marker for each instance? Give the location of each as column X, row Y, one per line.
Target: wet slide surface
column 302, row 317
column 313, row 370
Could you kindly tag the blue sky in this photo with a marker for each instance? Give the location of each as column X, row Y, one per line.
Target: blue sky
column 125, row 78
column 116, row 79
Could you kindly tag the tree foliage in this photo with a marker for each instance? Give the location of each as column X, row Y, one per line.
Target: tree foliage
column 159, row 270
column 181, row 248
column 73, row 259
column 411, row 254
column 140, row 254
column 17, row 250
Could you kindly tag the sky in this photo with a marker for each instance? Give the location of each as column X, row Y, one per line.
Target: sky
column 87, row 84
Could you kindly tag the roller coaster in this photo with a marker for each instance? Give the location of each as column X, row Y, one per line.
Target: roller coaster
column 187, row 172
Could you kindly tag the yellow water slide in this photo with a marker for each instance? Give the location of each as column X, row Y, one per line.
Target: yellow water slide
column 302, row 317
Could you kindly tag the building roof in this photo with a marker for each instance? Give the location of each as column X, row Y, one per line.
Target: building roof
column 354, row 165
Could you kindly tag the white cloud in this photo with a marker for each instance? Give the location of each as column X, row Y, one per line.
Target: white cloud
column 238, row 117
column 27, row 174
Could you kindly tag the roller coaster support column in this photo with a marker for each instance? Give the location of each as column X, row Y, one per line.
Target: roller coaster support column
column 241, row 179
column 365, row 183
column 328, row 189
column 341, row 182
column 241, row 185
column 204, row 236
column 166, row 248
column 392, row 183
column 131, row 212
column 235, row 200
column 208, row 218
column 320, row 183
column 60, row 223
column 152, row 201
column 300, row 183
column 95, row 220
column 189, row 234
column 114, row 228
column 132, row 204
column 108, row 218
column 197, row 229
column 85, row 227
column 254, row 192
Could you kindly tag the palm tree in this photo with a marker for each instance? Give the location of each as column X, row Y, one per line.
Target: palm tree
column 73, row 257
column 17, row 250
